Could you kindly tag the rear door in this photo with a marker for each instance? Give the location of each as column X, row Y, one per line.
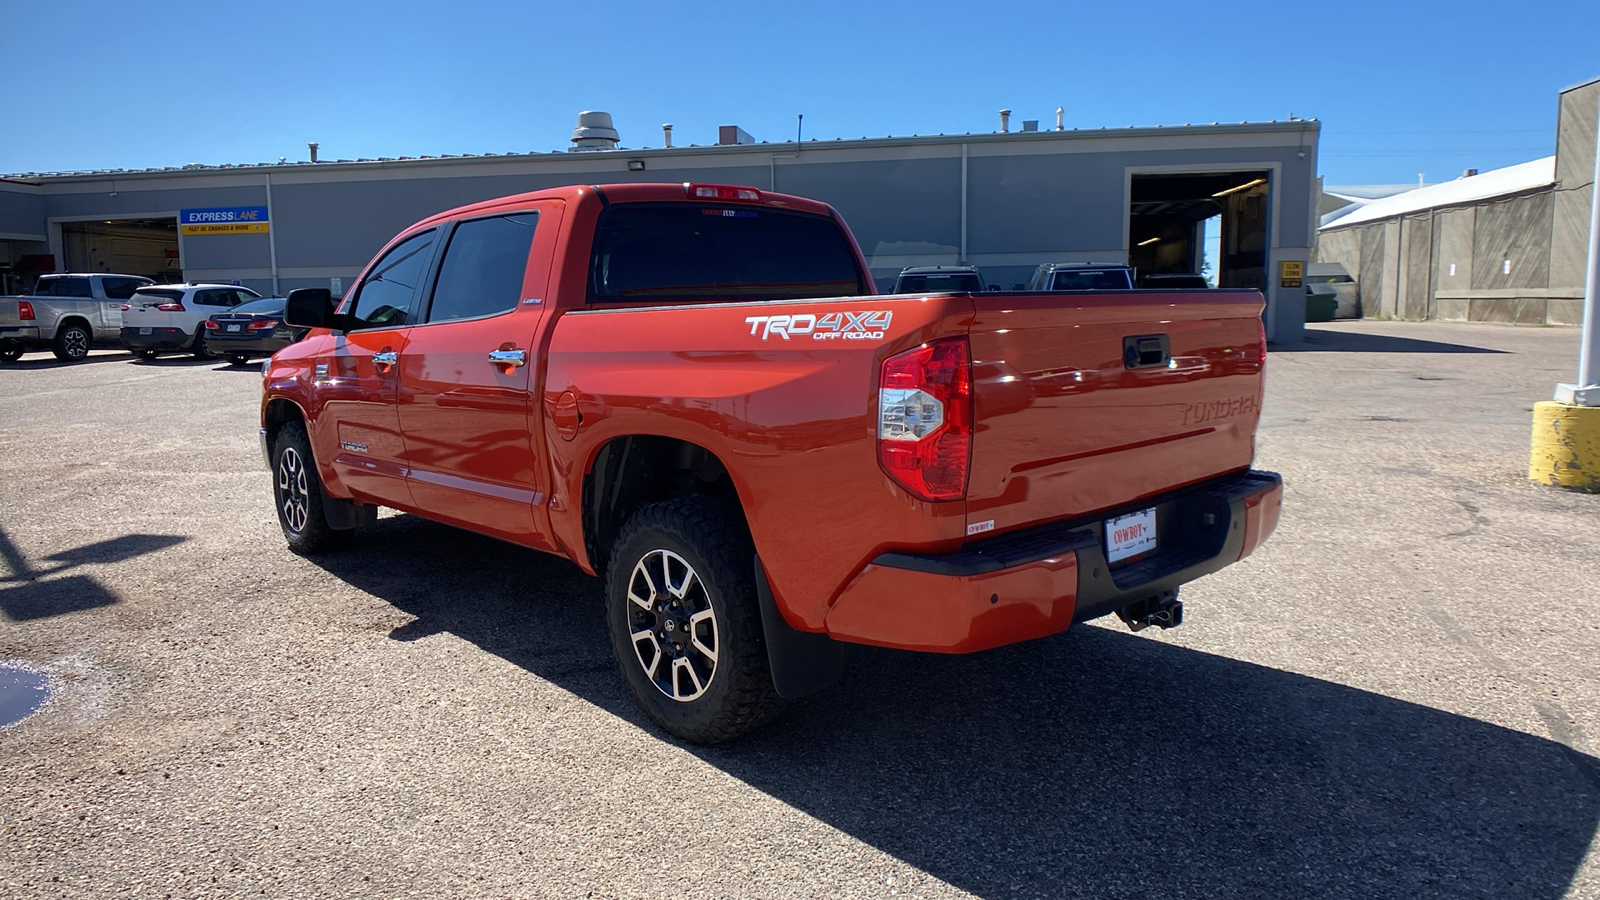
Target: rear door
column 119, row 289
column 468, row 377
column 1086, row 402
column 358, row 379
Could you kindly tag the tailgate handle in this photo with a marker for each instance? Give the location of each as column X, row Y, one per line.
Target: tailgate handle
column 1146, row 351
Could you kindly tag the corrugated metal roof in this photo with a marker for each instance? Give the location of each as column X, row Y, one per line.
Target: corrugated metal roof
column 1494, row 183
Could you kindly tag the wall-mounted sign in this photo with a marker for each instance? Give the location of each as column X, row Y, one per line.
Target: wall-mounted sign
column 1291, row 272
column 223, row 220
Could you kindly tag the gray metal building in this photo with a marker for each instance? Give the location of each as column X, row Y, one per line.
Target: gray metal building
column 1003, row 201
column 1513, row 254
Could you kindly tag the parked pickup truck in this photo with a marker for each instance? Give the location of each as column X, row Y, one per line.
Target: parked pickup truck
column 690, row 391
column 65, row 314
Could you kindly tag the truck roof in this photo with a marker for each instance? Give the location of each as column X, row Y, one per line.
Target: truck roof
column 634, row 193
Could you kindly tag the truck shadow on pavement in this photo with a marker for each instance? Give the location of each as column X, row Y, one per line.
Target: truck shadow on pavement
column 1319, row 340
column 1096, row 763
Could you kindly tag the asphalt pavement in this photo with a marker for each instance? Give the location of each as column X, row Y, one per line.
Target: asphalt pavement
column 1398, row 696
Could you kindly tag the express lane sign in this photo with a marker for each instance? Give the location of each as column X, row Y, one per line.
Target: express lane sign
column 223, row 220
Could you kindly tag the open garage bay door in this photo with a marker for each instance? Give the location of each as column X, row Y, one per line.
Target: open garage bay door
column 147, row 247
column 1167, row 225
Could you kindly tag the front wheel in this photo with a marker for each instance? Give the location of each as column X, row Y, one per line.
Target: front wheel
column 297, row 493
column 72, row 343
column 685, row 627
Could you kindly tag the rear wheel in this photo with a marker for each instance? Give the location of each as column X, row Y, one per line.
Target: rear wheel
column 72, row 343
column 297, row 493
column 238, row 359
column 685, row 627
column 200, row 348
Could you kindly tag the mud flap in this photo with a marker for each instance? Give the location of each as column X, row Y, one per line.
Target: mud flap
column 802, row 662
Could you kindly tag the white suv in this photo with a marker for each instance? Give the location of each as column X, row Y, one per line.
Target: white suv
column 172, row 317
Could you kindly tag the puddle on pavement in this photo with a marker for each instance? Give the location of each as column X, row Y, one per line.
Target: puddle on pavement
column 22, row 692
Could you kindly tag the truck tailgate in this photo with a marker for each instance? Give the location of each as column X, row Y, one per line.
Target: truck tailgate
column 9, row 317
column 1087, row 402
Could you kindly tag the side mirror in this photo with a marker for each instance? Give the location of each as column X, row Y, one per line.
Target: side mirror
column 310, row 308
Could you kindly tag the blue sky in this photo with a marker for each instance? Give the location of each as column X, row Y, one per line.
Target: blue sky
column 1401, row 87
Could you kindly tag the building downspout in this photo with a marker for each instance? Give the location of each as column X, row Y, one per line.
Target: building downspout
column 963, row 204
column 272, row 237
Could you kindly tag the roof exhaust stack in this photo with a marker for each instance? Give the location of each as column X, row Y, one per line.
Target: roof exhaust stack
column 1468, row 173
column 594, row 132
column 1061, row 112
column 313, row 146
column 1005, row 121
column 666, row 134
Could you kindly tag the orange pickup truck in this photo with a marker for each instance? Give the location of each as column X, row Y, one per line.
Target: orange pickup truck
column 692, row 391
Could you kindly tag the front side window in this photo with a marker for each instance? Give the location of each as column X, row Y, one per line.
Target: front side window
column 383, row 300
column 483, row 267
column 651, row 253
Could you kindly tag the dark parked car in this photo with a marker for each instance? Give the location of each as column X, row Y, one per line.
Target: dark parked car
column 1082, row 277
column 939, row 280
column 1168, row 280
column 251, row 329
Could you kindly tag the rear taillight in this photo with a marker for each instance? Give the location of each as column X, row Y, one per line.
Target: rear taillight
column 212, row 326
column 170, row 307
column 1261, row 333
column 925, row 419
column 24, row 310
column 720, row 192
column 263, row 324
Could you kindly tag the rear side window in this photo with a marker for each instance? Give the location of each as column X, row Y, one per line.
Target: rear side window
column 483, row 267
column 64, row 287
column 683, row 251
column 383, row 300
column 214, row 297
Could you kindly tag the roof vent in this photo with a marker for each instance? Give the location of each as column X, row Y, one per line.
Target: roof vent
column 733, row 134
column 1468, row 173
column 1030, row 124
column 594, row 132
column 1005, row 121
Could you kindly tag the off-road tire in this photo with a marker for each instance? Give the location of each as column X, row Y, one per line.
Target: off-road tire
column 72, row 343
column 711, row 537
column 297, row 495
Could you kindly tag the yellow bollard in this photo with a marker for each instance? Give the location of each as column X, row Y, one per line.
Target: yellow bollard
column 1566, row 446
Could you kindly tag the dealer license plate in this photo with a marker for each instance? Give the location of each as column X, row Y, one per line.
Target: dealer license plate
column 1130, row 535
column 233, row 328
column 144, row 331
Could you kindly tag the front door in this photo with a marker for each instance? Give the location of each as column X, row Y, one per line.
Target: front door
column 469, row 373
column 359, row 380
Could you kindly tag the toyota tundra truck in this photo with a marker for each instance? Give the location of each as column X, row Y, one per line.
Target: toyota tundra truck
column 691, row 391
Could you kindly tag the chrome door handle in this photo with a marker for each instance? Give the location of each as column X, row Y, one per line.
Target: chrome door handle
column 386, row 358
column 508, row 357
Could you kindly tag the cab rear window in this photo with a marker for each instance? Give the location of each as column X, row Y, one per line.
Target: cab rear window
column 651, row 253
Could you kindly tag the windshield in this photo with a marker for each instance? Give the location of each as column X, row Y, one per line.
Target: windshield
column 689, row 251
column 1091, row 280
column 939, row 283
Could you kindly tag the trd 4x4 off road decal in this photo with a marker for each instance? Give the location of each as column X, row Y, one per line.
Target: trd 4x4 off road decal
column 840, row 326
